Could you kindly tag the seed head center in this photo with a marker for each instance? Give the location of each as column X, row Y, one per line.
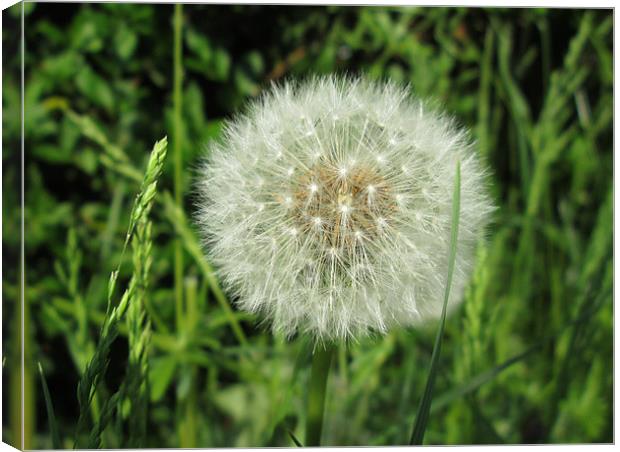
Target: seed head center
column 342, row 210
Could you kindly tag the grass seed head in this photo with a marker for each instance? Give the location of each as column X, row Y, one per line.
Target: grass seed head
column 327, row 207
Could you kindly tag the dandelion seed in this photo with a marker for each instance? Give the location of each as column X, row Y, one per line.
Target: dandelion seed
column 382, row 223
column 365, row 214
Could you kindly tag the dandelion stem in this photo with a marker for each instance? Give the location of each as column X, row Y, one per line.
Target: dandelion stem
column 321, row 361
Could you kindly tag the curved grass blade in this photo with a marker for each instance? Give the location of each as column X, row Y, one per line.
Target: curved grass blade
column 295, row 440
column 419, row 427
column 51, row 418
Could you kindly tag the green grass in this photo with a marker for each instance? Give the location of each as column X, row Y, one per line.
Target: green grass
column 158, row 347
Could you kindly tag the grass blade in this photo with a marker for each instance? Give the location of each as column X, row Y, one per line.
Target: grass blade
column 51, row 418
column 419, row 427
column 295, row 440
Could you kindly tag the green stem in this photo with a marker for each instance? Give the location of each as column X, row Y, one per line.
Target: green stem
column 185, row 428
column 24, row 426
column 188, row 425
column 321, row 361
column 177, row 152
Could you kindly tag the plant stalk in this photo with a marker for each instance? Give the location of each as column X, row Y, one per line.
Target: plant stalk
column 186, row 404
column 177, row 136
column 188, row 425
column 321, row 361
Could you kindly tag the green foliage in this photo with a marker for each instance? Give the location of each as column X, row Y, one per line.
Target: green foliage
column 528, row 357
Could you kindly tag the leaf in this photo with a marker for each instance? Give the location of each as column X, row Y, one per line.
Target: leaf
column 51, row 153
column 199, row 44
column 219, row 69
column 161, row 373
column 244, row 83
column 51, row 418
column 254, row 62
column 84, row 33
column 62, row 67
column 95, row 88
column 126, row 41
column 87, row 160
column 211, row 60
column 419, row 427
column 194, row 110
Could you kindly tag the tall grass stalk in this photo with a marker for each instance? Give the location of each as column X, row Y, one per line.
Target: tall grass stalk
column 21, row 385
column 139, row 235
column 177, row 148
column 187, row 408
column 23, row 406
column 139, row 337
column 188, row 424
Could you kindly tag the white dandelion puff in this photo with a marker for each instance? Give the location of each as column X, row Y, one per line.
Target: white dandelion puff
column 353, row 230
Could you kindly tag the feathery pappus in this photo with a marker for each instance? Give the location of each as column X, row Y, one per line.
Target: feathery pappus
column 327, row 207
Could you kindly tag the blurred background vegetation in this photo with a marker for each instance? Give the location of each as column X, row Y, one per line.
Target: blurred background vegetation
column 527, row 359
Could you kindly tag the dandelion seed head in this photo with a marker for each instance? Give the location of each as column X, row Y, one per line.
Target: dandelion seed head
column 348, row 231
